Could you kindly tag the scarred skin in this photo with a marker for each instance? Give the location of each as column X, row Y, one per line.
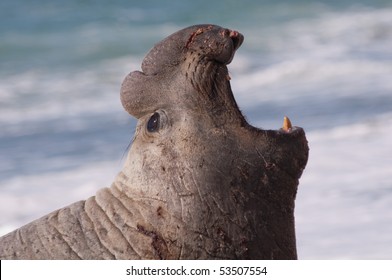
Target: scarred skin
column 199, row 181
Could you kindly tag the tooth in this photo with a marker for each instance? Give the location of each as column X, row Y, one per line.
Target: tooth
column 286, row 124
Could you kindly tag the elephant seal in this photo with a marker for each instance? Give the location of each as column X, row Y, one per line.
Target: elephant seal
column 199, row 182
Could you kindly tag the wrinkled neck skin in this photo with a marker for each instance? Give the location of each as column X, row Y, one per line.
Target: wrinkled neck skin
column 211, row 185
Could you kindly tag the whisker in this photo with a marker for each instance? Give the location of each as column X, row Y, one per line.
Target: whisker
column 129, row 145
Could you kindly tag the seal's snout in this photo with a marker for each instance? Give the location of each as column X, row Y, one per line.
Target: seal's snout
column 237, row 39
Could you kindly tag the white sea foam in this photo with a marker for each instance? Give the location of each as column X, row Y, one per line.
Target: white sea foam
column 26, row 198
column 339, row 54
column 309, row 76
column 36, row 96
column 343, row 204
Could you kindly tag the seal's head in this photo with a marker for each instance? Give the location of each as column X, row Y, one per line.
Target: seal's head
column 194, row 58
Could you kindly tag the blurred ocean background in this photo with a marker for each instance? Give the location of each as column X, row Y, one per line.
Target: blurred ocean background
column 325, row 64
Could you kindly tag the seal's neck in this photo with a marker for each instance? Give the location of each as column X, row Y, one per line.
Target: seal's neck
column 211, row 80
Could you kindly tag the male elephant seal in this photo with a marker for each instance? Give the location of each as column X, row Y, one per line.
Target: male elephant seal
column 199, row 181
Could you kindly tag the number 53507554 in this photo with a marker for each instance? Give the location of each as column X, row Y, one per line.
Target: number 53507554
column 242, row 270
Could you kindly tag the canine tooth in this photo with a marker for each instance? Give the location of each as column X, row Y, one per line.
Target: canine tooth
column 286, row 124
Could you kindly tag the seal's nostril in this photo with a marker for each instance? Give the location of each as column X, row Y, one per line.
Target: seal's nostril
column 233, row 34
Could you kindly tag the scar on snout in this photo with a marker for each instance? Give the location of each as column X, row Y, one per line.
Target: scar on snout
column 194, row 34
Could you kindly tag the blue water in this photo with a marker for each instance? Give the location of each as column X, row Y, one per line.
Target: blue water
column 325, row 64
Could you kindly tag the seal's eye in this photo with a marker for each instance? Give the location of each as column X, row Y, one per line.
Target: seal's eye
column 153, row 123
